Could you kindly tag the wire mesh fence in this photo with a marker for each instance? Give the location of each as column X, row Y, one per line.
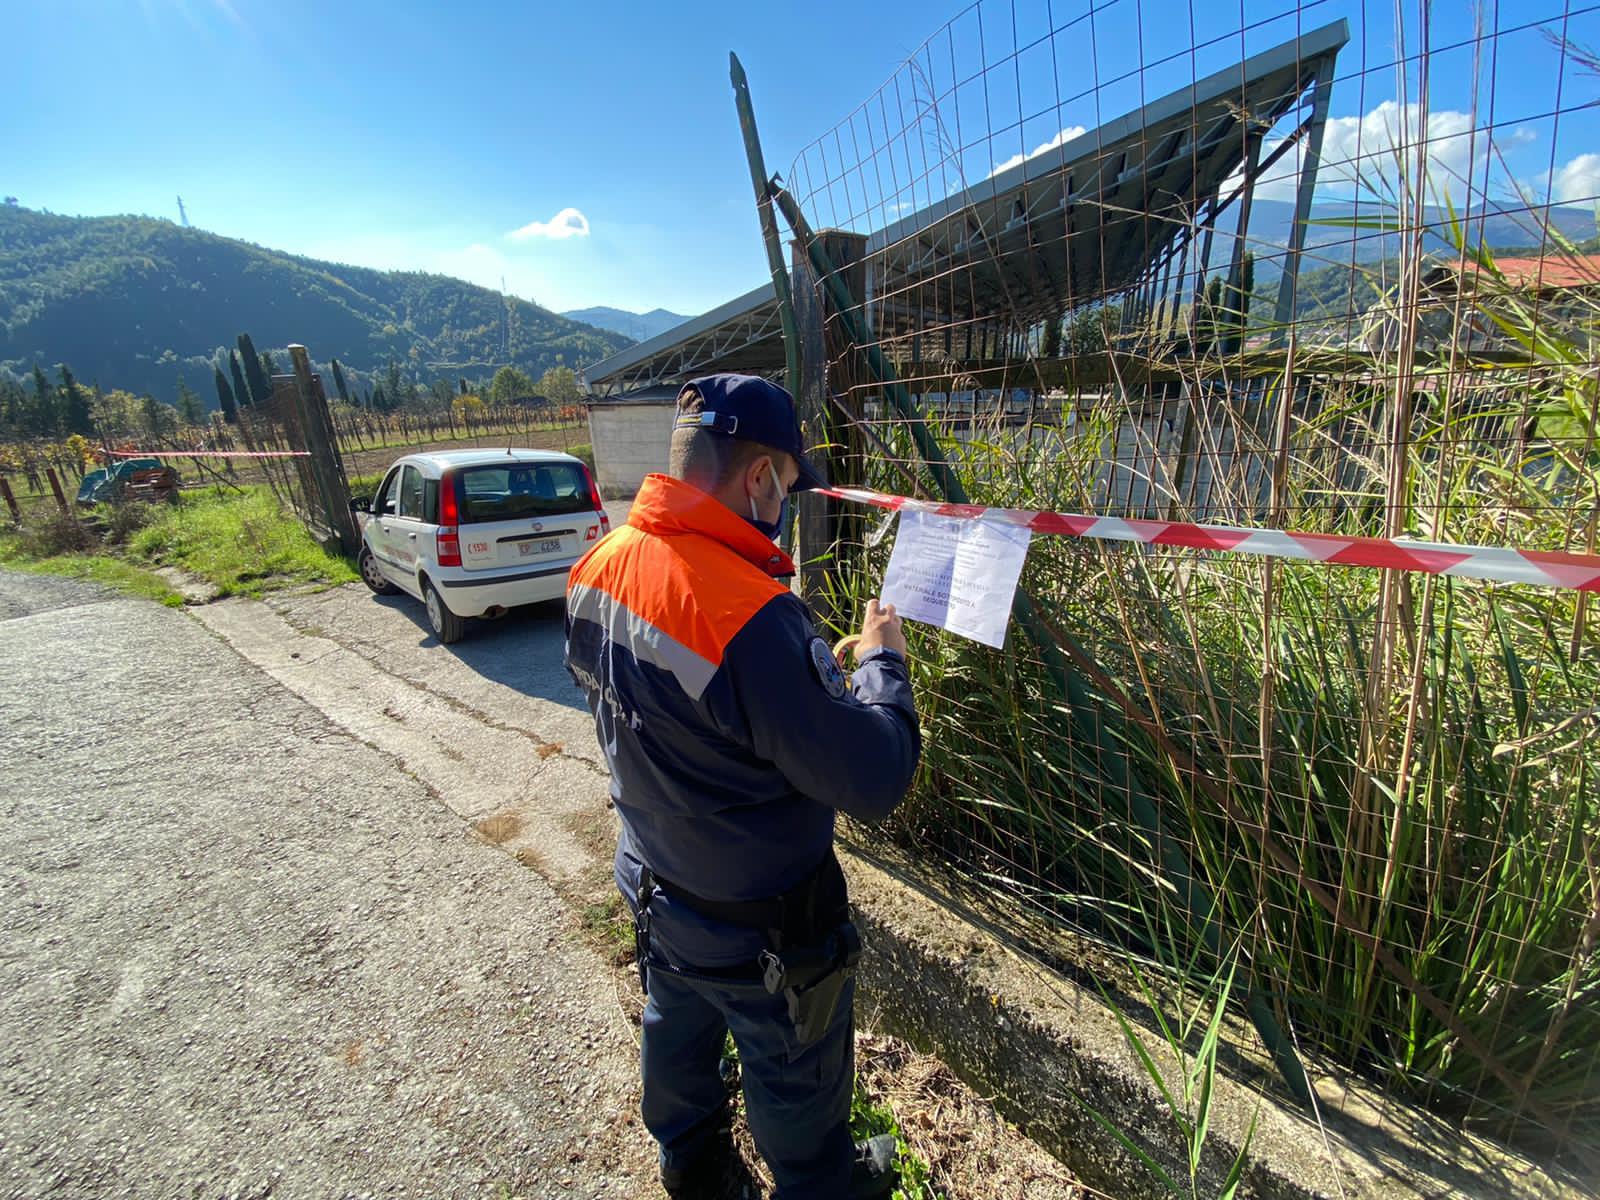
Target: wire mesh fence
column 1317, row 267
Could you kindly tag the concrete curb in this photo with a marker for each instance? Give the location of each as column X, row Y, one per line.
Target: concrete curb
column 1036, row 1043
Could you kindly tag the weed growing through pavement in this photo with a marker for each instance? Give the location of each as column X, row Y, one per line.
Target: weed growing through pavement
column 609, row 925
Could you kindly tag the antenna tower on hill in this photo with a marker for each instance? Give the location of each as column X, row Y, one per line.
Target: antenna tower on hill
column 183, row 215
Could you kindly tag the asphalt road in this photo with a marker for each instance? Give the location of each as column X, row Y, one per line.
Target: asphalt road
column 244, row 952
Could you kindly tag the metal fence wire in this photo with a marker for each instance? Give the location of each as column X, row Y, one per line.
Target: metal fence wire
column 1317, row 267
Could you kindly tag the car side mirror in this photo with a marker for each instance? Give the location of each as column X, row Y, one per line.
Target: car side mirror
column 361, row 504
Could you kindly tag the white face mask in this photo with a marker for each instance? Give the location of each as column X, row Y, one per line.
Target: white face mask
column 770, row 528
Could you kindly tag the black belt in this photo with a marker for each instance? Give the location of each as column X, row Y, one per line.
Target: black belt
column 806, row 911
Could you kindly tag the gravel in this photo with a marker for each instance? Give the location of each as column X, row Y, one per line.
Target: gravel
column 244, row 954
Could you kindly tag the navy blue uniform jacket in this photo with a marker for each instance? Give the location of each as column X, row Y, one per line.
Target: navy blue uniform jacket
column 730, row 733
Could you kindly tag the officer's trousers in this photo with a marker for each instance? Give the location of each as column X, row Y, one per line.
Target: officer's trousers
column 797, row 1098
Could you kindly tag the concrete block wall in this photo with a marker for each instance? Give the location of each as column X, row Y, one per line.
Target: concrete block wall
column 630, row 441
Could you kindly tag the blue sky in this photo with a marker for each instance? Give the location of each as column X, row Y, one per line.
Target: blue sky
column 468, row 138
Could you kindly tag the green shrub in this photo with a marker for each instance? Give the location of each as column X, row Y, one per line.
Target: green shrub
column 118, row 522
column 50, row 532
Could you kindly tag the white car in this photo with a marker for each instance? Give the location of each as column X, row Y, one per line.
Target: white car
column 472, row 533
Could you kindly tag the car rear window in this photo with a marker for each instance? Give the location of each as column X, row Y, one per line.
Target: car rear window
column 496, row 493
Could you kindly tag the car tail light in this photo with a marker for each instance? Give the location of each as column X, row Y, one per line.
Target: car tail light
column 447, row 541
column 598, row 504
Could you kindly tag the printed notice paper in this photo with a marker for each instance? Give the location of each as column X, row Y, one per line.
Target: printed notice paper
column 956, row 573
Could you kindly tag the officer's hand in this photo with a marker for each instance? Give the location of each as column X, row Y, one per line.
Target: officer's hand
column 881, row 627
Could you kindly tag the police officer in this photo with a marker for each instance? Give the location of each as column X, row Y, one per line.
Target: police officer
column 733, row 738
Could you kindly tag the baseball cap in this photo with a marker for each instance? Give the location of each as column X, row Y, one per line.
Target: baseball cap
column 753, row 410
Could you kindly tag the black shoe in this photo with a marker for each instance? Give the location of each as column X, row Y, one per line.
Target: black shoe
column 705, row 1178
column 874, row 1172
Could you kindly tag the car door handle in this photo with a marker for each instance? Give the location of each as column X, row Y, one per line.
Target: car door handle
column 412, row 536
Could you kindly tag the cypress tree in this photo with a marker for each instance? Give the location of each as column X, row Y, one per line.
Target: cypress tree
column 241, row 390
column 225, row 401
column 1247, row 287
column 189, row 407
column 379, row 400
column 46, row 421
column 1205, row 327
column 339, row 383
column 1238, row 304
column 260, row 383
column 76, row 416
column 13, row 407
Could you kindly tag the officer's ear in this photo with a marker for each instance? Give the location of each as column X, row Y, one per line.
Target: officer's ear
column 755, row 482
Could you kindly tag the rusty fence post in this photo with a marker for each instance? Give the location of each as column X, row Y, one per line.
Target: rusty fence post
column 11, row 501
column 55, row 488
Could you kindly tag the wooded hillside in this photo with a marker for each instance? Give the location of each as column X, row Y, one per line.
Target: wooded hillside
column 133, row 303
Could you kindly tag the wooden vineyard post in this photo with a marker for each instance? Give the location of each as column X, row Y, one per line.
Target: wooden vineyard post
column 287, row 434
column 326, row 467
column 55, row 488
column 11, row 501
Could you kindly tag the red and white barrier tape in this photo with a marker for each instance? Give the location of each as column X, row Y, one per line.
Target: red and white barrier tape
column 1545, row 567
column 209, row 453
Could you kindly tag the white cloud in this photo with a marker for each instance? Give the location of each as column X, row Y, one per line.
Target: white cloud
column 1373, row 149
column 1367, row 154
column 1065, row 135
column 569, row 222
column 1578, row 181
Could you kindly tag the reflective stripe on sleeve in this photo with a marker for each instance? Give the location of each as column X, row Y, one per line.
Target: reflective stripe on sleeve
column 642, row 639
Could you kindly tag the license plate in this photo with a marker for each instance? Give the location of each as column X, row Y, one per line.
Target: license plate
column 548, row 546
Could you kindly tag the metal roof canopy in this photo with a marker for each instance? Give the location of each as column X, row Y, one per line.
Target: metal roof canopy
column 1078, row 223
column 742, row 335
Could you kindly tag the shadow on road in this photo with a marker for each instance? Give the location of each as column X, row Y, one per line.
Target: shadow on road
column 522, row 650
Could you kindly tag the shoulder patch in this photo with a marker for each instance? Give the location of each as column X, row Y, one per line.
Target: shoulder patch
column 826, row 668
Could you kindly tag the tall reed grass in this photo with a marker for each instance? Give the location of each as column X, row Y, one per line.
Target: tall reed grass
column 1383, row 778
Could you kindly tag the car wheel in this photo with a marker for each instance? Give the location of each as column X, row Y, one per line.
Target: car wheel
column 447, row 627
column 372, row 575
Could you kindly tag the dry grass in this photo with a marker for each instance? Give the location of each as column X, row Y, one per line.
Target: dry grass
column 970, row 1149
column 499, row 828
column 550, row 749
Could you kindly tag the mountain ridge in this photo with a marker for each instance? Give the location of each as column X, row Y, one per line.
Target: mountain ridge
column 639, row 326
column 135, row 302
